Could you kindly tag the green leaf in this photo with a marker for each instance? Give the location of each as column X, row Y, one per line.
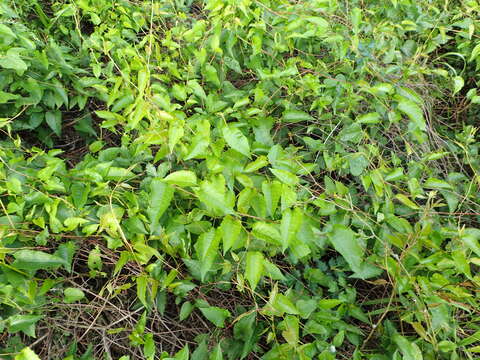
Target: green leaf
column 206, row 248
column 12, row 60
column 356, row 18
column 94, row 261
column 295, row 116
column 458, row 84
column 117, row 173
column 142, row 282
column 230, row 229
column 175, row 133
column 6, row 32
column 197, row 89
column 291, row 222
column 149, row 347
column 34, row 260
column 470, row 238
column 306, row 307
column 321, row 25
column 285, row 176
column 272, row 271
column 179, row 92
column 108, row 115
column 410, row 351
column 213, row 194
column 284, row 305
column 79, row 193
column 211, row 75
column 54, row 121
column 357, row 163
column 182, row 178
column 65, row 252
column 345, row 242
column 123, row 102
column 161, row 195
column 216, row 353
column 433, row 183
column 259, row 163
column 232, row 64
column 244, row 330
column 370, row 118
column 202, row 351
column 183, row 354
column 236, row 140
column 254, row 268
column 407, row 202
column 290, row 326
column 6, row 97
column 447, row 346
column 72, row 295
column 142, row 81
column 475, row 52
column 413, row 111
column 216, row 315
column 27, row 354
column 267, row 232
column 186, row 310
column 24, row 323
column 272, row 191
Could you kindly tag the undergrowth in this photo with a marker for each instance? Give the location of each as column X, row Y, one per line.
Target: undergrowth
column 253, row 179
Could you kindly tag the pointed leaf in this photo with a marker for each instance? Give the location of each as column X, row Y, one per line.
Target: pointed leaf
column 296, row 116
column 216, row 353
column 267, row 232
column 291, row 326
column 291, row 221
column 34, row 260
column 216, row 315
column 369, row 118
column 183, row 354
column 72, row 295
column 284, row 305
column 161, row 195
column 272, row 191
column 236, row 140
column 409, row 350
column 344, row 241
column 206, row 248
column 213, row 195
column 54, row 121
column 285, row 176
column 182, row 178
column 13, row 61
column 475, row 52
column 230, row 230
column 175, row 133
column 407, row 202
column 470, row 237
column 458, row 83
column 254, row 268
column 433, row 183
column 413, row 111
column 26, row 354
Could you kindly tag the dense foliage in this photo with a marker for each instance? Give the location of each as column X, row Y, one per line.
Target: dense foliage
column 239, row 179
